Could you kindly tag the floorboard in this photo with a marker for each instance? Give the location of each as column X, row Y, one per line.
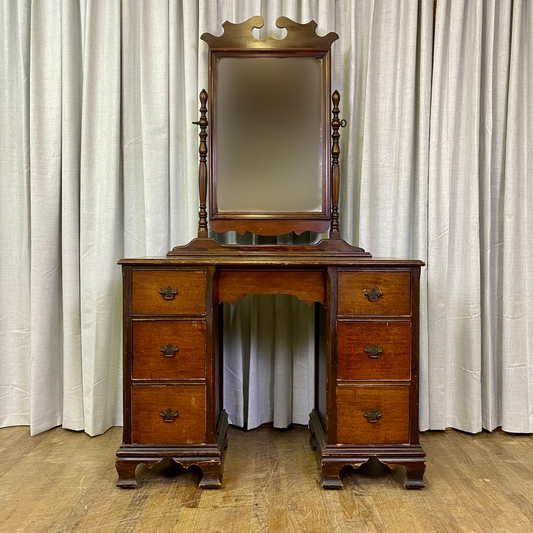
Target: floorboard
column 62, row 482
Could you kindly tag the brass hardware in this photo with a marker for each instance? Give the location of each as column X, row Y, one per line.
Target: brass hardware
column 374, row 295
column 374, row 351
column 169, row 415
column 343, row 123
column 169, row 350
column 168, row 293
column 373, row 416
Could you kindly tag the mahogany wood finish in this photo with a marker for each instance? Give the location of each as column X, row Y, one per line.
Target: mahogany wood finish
column 301, row 41
column 184, row 360
column 305, row 285
column 299, row 37
column 374, row 350
column 355, row 425
column 330, row 427
column 320, row 252
column 243, row 223
column 150, row 401
column 366, row 390
column 169, row 401
column 368, row 402
column 189, row 298
column 391, row 289
column 202, row 171
column 335, row 170
column 374, row 416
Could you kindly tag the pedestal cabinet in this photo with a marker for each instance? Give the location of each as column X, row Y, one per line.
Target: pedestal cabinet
column 366, row 358
column 169, row 382
column 370, row 406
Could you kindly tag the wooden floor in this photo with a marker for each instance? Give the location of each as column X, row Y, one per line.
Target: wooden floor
column 61, row 481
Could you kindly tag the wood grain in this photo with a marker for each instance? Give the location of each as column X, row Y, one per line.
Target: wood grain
column 395, row 287
column 300, row 40
column 325, row 253
column 354, row 401
column 222, row 280
column 147, row 300
column 309, row 286
column 272, row 253
column 148, row 425
column 188, row 362
column 476, row 483
column 299, row 36
column 394, row 338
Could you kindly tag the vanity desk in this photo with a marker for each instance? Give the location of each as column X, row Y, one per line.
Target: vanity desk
column 367, row 309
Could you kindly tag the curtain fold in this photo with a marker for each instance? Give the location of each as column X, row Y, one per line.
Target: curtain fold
column 15, row 265
column 479, row 227
column 383, row 63
column 101, row 216
column 99, row 160
column 516, row 374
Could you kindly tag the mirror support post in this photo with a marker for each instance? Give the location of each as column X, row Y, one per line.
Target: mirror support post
column 202, row 171
column 335, row 170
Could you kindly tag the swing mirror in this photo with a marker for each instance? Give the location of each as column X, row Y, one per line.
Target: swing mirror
column 269, row 133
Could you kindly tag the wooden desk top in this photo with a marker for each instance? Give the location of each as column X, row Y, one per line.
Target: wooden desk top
column 327, row 252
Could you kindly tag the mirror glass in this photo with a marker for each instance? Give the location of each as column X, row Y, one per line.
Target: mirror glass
column 268, row 135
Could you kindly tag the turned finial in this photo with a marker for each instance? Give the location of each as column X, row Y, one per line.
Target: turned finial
column 335, row 170
column 202, row 171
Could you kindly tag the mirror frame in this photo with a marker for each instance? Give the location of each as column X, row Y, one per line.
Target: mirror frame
column 301, row 41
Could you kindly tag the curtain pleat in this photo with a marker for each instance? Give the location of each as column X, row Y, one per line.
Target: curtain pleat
column 101, row 217
column 454, row 307
column 516, row 370
column 15, row 262
column 45, row 216
column 71, row 112
column 479, row 227
column 99, row 160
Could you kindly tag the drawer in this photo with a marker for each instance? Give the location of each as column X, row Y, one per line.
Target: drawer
column 374, row 293
column 168, row 414
column 169, row 349
column 374, row 350
column 372, row 415
column 177, row 292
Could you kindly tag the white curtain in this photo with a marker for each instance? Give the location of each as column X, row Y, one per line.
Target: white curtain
column 98, row 161
column 480, row 227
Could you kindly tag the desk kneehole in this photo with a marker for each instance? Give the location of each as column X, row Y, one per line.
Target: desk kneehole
column 366, row 348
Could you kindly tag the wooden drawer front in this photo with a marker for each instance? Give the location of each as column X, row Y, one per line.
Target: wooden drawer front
column 169, row 349
column 388, row 406
column 148, row 299
column 374, row 350
column 149, row 401
column 388, row 293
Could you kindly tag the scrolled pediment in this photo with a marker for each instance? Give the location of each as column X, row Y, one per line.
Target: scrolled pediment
column 299, row 36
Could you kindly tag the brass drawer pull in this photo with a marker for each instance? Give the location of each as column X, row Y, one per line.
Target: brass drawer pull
column 373, row 416
column 169, row 415
column 374, row 295
column 374, row 351
column 169, row 350
column 168, row 293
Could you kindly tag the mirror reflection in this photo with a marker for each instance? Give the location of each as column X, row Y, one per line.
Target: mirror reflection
column 268, row 135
